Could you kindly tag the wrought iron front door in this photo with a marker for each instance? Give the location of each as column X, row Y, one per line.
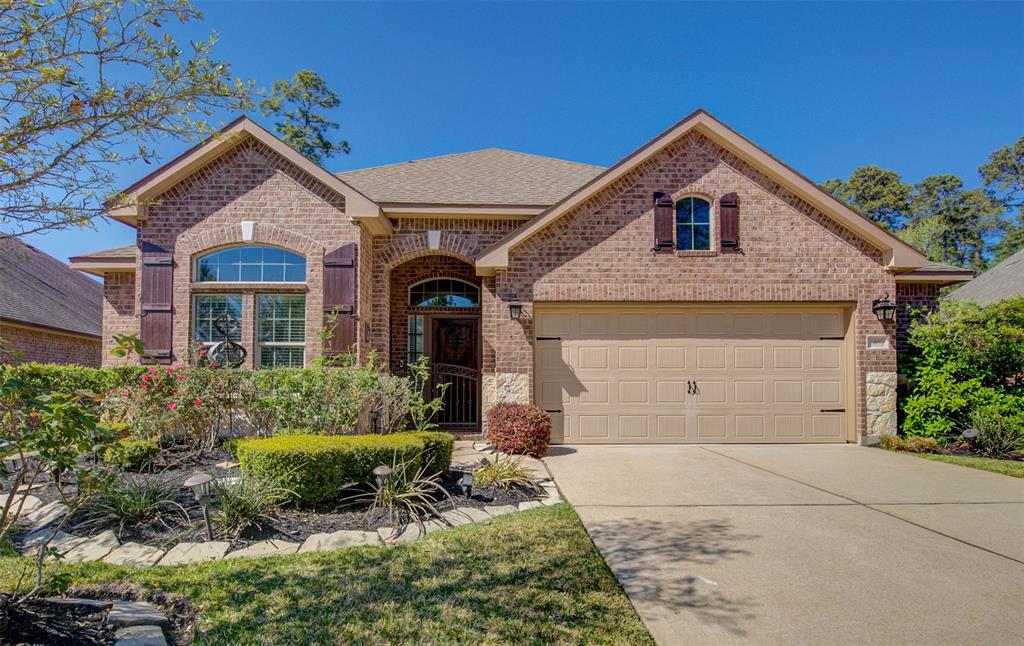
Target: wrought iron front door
column 454, row 351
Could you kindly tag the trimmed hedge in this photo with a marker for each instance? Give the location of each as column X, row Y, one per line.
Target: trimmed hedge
column 315, row 468
column 132, row 453
column 519, row 428
column 71, row 378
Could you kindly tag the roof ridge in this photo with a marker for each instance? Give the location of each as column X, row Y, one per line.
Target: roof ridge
column 465, row 153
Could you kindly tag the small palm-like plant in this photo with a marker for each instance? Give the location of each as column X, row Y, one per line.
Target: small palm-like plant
column 131, row 501
column 405, row 495
column 242, row 504
column 508, row 474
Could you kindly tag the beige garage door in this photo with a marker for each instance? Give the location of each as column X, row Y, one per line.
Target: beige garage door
column 659, row 374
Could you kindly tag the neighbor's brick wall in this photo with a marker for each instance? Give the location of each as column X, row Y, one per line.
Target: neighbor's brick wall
column 119, row 313
column 912, row 298
column 291, row 210
column 44, row 346
column 600, row 251
column 460, row 239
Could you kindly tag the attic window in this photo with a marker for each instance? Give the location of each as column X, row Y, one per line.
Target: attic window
column 693, row 224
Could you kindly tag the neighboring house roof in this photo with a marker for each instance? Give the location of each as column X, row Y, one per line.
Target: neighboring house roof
column 100, row 262
column 41, row 291
column 899, row 255
column 357, row 206
column 1005, row 280
column 491, row 177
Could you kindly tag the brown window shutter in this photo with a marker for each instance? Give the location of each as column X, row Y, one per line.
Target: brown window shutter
column 156, row 308
column 664, row 224
column 340, row 268
column 729, row 220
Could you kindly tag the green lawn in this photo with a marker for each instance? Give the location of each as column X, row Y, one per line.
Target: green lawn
column 532, row 577
column 1013, row 468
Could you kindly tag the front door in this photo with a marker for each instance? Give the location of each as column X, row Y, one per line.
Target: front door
column 454, row 351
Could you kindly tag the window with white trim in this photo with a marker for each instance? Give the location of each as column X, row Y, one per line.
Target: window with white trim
column 693, row 224
column 205, row 310
column 250, row 264
column 280, row 330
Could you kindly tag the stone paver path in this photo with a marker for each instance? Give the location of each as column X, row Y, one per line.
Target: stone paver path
column 195, row 552
column 90, row 549
column 140, row 636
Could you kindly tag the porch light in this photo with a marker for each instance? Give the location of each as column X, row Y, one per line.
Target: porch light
column 515, row 308
column 467, row 483
column 380, row 473
column 200, row 486
column 884, row 309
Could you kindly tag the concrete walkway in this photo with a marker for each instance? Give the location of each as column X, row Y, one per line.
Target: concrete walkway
column 803, row 544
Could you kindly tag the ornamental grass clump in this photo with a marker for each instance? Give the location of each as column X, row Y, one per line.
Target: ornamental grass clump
column 508, row 474
column 409, row 493
column 133, row 501
column 243, row 504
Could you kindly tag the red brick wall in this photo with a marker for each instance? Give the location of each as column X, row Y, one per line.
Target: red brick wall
column 600, row 251
column 911, row 299
column 119, row 314
column 44, row 346
column 460, row 239
column 250, row 183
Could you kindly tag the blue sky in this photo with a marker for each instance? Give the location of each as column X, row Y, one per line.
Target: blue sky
column 922, row 88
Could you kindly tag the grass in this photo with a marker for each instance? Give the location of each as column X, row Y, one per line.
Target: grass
column 532, row 577
column 1014, row 468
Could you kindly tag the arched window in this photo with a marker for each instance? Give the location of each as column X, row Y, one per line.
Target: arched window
column 444, row 292
column 251, row 264
column 693, row 224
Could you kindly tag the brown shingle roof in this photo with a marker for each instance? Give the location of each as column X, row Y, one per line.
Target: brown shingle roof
column 485, row 177
column 37, row 289
column 1002, row 281
column 116, row 253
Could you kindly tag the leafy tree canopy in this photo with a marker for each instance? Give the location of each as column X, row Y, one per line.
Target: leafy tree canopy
column 87, row 85
column 296, row 104
column 1003, row 177
column 878, row 193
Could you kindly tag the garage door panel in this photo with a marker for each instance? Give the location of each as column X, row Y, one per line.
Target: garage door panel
column 760, row 375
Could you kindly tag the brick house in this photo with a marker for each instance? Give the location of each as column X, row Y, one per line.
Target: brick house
column 697, row 291
column 48, row 313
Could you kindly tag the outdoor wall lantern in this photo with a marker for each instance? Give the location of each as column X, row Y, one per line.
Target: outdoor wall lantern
column 884, row 309
column 467, row 483
column 200, row 486
column 515, row 308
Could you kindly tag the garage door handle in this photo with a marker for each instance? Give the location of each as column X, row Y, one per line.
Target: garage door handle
column 831, row 338
column 549, row 338
column 832, row 410
column 552, row 410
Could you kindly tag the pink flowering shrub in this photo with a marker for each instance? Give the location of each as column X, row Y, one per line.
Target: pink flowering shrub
column 519, row 428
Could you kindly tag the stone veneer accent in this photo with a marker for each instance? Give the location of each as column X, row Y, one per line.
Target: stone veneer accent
column 880, row 405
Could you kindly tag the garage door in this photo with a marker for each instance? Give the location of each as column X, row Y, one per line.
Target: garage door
column 656, row 374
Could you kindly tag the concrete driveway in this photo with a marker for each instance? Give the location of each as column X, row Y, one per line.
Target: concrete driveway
column 803, row 544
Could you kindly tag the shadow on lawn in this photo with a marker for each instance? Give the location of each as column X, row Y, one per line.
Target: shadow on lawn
column 664, row 565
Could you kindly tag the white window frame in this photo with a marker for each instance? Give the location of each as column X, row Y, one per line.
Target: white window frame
column 195, row 315
column 259, row 345
column 712, row 223
column 210, row 252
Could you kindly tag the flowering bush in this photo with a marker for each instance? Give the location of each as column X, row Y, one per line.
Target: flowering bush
column 519, row 428
column 163, row 402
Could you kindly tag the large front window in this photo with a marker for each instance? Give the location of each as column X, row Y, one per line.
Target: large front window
column 280, row 330
column 206, row 308
column 693, row 224
column 251, row 264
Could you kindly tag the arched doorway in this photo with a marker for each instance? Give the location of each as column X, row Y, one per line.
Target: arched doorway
column 435, row 312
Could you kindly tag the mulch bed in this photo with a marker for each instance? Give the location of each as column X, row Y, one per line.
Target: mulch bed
column 176, row 463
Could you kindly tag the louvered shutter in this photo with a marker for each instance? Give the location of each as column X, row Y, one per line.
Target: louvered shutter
column 664, row 225
column 340, row 296
column 156, row 311
column 729, row 220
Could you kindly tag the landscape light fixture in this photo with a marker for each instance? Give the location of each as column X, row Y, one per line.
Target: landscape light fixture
column 884, row 309
column 467, row 483
column 200, row 486
column 380, row 473
column 515, row 308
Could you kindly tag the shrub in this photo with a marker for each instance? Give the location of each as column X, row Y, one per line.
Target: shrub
column 519, row 428
column 892, row 442
column 131, row 501
column 243, row 504
column 316, row 468
column 507, row 474
column 919, row 444
column 940, row 404
column 1000, row 429
column 132, row 453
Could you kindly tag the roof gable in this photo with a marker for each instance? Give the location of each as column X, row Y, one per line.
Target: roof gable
column 898, row 255
column 39, row 290
column 357, row 206
column 491, row 177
